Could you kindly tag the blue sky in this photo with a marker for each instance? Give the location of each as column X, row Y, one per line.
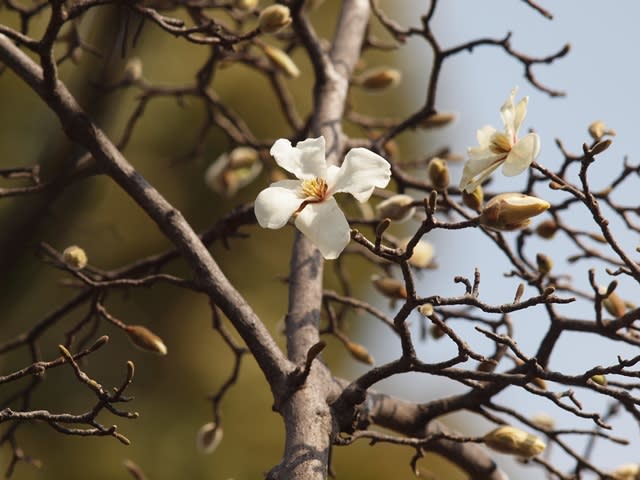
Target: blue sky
column 600, row 76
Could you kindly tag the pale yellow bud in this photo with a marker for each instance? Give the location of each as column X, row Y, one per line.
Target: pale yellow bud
column 544, row 421
column 359, row 352
column 232, row 171
column 514, row 441
column 281, row 61
column 600, row 380
column 426, row 309
column 438, row 172
column 598, row 129
column 423, row 253
column 245, row 4
column 613, row 303
column 389, row 287
column 511, row 211
column 145, row 339
column 74, row 257
column 629, row 471
column 133, row 70
column 378, row 79
column 547, row 229
column 544, row 263
column 475, row 199
column 209, row 437
column 274, row 18
column 437, row 120
column 398, row 208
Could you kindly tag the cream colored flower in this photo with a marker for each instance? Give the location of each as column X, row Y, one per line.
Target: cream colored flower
column 309, row 200
column 501, row 148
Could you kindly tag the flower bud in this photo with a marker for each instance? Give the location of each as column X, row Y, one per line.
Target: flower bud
column 544, row 421
column 600, row 380
column 74, row 257
column 438, row 172
column 132, row 70
column 389, row 287
column 274, row 18
column 437, row 120
column 145, row 339
column 436, row 332
column 359, row 352
column 378, row 79
column 475, row 199
column 426, row 309
column 245, row 4
column 423, row 253
column 209, row 437
column 232, row 171
column 544, row 263
column 629, row 471
column 398, row 208
column 598, row 129
column 613, row 303
column 514, row 441
column 281, row 61
column 511, row 211
column 600, row 147
column 547, row 229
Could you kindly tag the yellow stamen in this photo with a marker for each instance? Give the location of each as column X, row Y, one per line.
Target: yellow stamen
column 500, row 143
column 314, row 190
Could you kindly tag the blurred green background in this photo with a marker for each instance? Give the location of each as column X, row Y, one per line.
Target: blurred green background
column 170, row 392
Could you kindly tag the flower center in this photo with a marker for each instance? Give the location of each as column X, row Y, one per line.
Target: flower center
column 314, row 190
column 500, row 143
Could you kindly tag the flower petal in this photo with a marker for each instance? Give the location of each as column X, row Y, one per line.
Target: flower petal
column 305, row 160
column 325, row 225
column 361, row 171
column 471, row 179
column 484, row 135
column 521, row 112
column 508, row 114
column 523, row 153
column 275, row 205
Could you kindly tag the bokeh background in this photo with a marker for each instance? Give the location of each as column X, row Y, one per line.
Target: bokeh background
column 599, row 75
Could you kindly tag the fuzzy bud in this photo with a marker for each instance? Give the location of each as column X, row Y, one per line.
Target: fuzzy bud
column 423, row 253
column 437, row 120
column 274, row 18
column 378, row 79
column 397, row 208
column 436, row 332
column 232, row 171
column 629, row 471
column 475, row 199
column 359, row 352
column 514, row 441
column 544, row 421
column 613, row 303
column 281, row 61
column 544, row 263
column 133, row 70
column 547, row 229
column 209, row 437
column 389, row 287
column 426, row 309
column 600, row 147
column 511, row 211
column 598, row 129
column 246, row 5
column 600, row 380
column 438, row 172
column 145, row 339
column 74, row 257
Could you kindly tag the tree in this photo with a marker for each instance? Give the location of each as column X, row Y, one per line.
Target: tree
column 319, row 409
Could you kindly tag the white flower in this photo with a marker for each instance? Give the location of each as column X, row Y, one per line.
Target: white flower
column 310, row 198
column 501, row 148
